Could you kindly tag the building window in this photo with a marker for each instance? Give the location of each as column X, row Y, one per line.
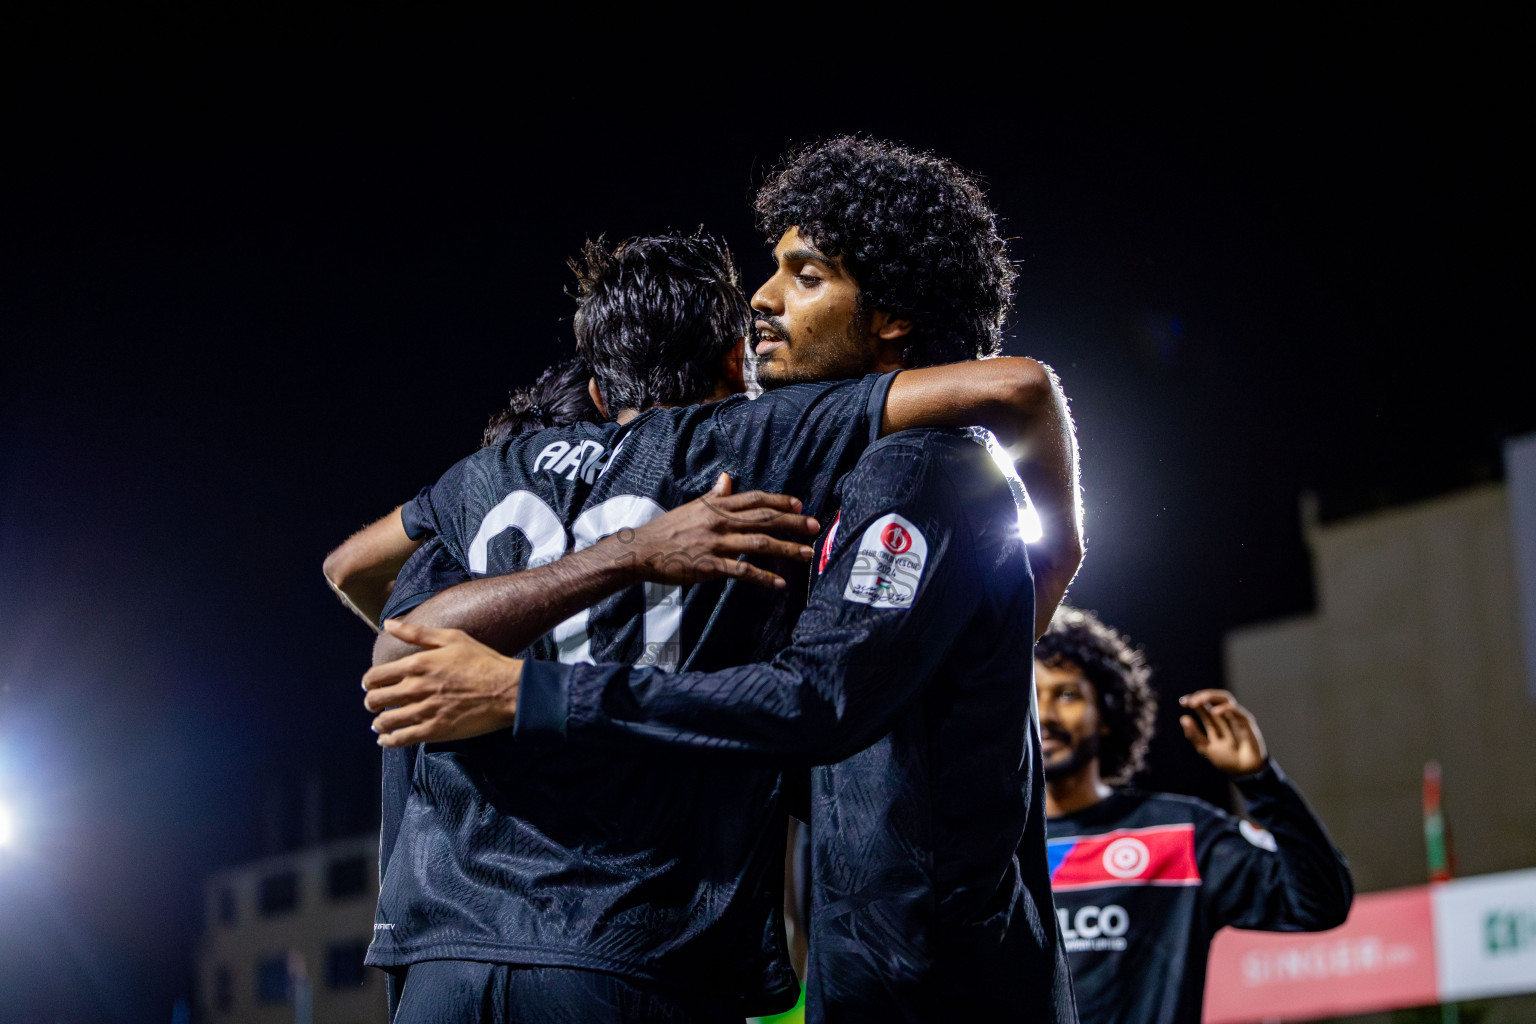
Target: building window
column 227, row 905
column 344, row 964
column 272, row 980
column 347, row 877
column 223, row 989
column 278, row 893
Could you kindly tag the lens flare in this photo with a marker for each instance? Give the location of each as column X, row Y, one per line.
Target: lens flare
column 1030, row 528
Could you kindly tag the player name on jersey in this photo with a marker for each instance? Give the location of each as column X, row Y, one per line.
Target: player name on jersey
column 571, row 459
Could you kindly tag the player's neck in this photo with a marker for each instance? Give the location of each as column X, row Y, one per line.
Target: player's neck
column 1076, row 792
column 723, row 390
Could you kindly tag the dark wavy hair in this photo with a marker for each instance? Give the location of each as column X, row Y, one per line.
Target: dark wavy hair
column 1121, row 678
column 655, row 317
column 913, row 229
column 557, row 399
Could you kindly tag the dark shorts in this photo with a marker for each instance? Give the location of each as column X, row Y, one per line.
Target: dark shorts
column 469, row 992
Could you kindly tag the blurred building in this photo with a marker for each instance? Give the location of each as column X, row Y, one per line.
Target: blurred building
column 285, row 937
column 1423, row 647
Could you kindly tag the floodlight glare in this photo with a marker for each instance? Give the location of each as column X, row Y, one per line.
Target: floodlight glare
column 7, row 825
column 1030, row 528
column 1029, row 523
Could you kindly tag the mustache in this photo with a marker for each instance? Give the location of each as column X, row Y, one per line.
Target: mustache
column 776, row 325
column 1059, row 735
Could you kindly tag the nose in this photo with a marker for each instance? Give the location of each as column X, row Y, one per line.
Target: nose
column 769, row 298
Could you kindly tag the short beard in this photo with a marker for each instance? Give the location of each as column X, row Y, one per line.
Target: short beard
column 1082, row 755
column 851, row 359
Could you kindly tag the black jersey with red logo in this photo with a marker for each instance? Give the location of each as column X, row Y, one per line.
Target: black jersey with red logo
column 667, row 868
column 1142, row 882
column 908, row 682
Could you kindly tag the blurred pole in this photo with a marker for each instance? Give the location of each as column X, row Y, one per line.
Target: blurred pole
column 303, row 991
column 1437, row 853
column 1437, row 847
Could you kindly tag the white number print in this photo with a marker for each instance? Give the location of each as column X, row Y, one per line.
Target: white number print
column 531, row 516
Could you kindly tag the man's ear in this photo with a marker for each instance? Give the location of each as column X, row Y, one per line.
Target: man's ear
column 886, row 333
column 733, row 368
column 887, row 327
column 597, row 398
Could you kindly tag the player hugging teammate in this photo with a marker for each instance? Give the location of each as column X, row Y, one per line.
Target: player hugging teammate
column 612, row 663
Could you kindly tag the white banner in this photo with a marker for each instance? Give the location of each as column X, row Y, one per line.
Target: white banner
column 1485, row 935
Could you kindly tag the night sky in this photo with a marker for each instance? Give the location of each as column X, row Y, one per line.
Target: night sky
column 260, row 283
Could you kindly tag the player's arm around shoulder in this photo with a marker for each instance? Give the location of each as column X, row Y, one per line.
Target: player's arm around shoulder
column 1021, row 401
column 1004, row 395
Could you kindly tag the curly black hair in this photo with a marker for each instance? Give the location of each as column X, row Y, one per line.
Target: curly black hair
column 915, row 232
column 1121, row 678
column 655, row 317
column 557, row 399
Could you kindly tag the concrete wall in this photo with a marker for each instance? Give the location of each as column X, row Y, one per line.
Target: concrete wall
column 317, row 922
column 1415, row 654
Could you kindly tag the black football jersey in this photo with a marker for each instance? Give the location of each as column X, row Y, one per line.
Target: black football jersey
column 909, row 682
column 429, row 569
column 1143, row 881
column 657, row 865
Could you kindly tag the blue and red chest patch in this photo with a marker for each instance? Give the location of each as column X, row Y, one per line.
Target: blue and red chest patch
column 1159, row 855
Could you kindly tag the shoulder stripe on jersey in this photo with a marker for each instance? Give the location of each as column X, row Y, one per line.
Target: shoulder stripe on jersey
column 1161, row 855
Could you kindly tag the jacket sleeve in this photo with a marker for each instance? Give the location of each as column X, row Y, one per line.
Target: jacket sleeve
column 876, row 627
column 1286, row 876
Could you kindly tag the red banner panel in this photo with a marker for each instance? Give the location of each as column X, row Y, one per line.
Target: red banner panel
column 1383, row 957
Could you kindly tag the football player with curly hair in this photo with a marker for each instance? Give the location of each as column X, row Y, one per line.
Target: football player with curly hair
column 1142, row 881
column 930, row 895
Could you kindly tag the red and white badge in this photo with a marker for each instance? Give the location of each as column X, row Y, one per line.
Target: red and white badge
column 826, row 547
column 889, row 565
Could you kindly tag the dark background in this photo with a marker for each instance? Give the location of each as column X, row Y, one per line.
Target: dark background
column 260, row 282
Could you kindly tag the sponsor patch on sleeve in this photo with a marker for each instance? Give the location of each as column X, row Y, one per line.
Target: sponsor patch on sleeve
column 889, row 565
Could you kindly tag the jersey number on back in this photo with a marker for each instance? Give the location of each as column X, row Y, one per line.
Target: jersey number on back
column 531, row 516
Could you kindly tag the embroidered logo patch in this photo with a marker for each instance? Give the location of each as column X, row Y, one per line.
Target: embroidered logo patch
column 889, row 565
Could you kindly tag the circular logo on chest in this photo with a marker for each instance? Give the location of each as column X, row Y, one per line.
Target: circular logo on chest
column 1126, row 857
